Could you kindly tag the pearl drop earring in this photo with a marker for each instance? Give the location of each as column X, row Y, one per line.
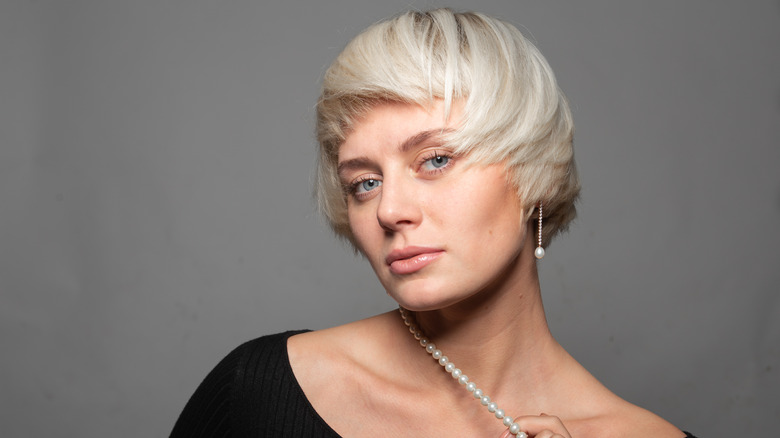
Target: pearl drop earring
column 539, row 253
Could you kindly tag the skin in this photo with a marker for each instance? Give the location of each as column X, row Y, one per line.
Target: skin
column 478, row 299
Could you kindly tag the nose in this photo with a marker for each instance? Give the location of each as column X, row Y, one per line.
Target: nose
column 398, row 204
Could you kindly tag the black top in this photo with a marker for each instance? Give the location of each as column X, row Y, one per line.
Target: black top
column 252, row 392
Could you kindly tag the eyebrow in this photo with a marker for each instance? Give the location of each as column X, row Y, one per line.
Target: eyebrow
column 407, row 145
column 418, row 138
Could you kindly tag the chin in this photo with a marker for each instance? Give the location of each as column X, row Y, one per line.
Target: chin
column 421, row 297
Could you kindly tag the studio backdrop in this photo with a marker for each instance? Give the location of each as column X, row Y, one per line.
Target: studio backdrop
column 156, row 162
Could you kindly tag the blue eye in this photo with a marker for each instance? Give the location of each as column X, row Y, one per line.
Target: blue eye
column 436, row 162
column 367, row 185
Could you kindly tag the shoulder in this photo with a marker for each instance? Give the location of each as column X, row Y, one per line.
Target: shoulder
column 599, row 412
column 626, row 420
column 348, row 342
column 346, row 373
column 590, row 409
column 217, row 408
column 329, row 352
column 265, row 348
column 261, row 375
column 343, row 347
column 250, row 362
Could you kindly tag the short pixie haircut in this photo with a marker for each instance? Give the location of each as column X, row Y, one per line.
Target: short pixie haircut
column 513, row 110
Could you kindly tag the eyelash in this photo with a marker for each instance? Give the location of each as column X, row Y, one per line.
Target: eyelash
column 432, row 155
column 352, row 188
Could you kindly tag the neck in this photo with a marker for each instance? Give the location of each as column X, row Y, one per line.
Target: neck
column 488, row 335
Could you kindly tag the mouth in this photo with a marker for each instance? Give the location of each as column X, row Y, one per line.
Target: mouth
column 411, row 259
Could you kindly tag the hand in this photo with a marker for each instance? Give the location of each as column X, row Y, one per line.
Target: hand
column 541, row 426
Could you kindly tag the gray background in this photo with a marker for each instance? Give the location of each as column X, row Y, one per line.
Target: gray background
column 155, row 194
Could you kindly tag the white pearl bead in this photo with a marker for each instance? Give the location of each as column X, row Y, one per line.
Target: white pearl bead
column 457, row 373
column 539, row 253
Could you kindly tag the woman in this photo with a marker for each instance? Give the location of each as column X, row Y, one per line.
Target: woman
column 446, row 160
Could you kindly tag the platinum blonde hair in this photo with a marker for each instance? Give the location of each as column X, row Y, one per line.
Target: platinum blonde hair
column 513, row 110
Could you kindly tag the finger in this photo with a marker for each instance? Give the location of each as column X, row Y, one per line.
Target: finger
column 547, row 434
column 542, row 434
column 542, row 426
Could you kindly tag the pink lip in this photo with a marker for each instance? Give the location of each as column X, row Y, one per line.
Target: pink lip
column 411, row 259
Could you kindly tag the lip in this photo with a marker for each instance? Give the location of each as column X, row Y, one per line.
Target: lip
column 411, row 259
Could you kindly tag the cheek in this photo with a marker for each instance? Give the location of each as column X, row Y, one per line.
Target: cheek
column 363, row 225
column 492, row 202
column 356, row 225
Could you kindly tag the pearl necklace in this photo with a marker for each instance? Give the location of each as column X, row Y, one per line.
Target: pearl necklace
column 457, row 374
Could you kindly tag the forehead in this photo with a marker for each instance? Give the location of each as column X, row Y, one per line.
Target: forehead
column 392, row 125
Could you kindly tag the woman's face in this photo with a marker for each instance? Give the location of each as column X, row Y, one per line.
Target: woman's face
column 435, row 230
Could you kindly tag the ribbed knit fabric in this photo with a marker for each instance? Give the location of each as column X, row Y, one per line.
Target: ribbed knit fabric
column 253, row 393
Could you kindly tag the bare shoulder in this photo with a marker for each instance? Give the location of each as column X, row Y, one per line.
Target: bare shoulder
column 343, row 373
column 343, row 343
column 314, row 355
column 626, row 420
column 593, row 410
column 640, row 422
